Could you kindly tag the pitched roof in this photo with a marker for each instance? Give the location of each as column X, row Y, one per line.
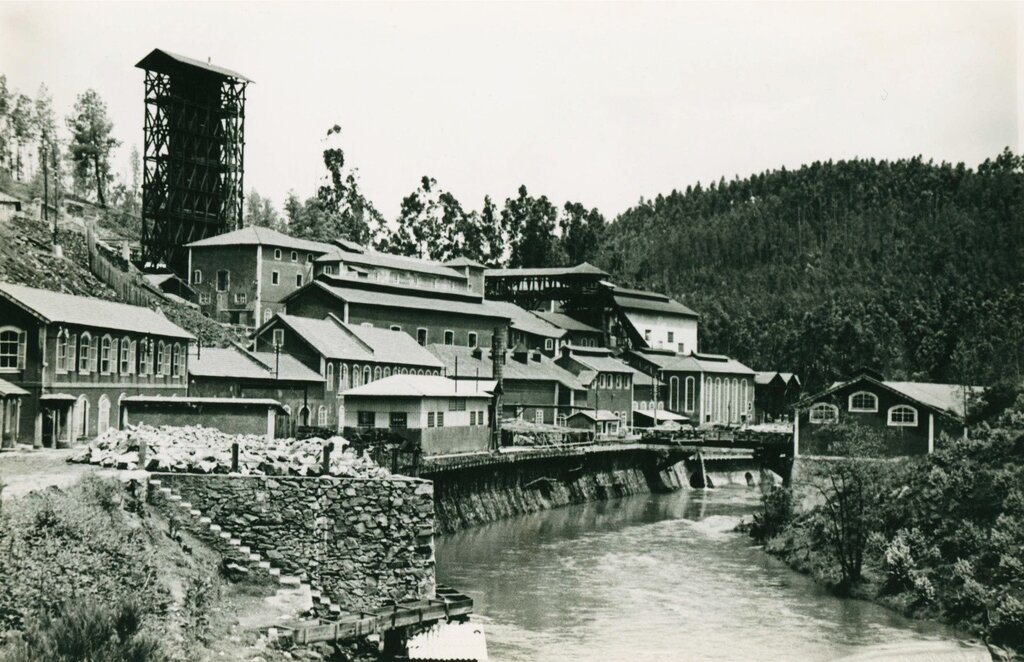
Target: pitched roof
column 259, row 236
column 95, row 313
column 563, row 321
column 650, row 302
column 944, row 398
column 236, row 363
column 713, row 363
column 464, row 262
column 601, row 362
column 168, row 62
column 583, row 268
column 387, row 260
column 415, row 386
column 7, row 388
column 473, row 363
column 598, row 415
column 10, row 200
column 289, row 368
column 335, row 339
column 527, row 322
column 479, row 308
column 174, row 399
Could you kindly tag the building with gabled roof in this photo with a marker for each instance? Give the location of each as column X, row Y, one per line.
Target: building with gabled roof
column 775, row 393
column 653, row 320
column 429, row 316
column 343, row 355
column 707, row 388
column 608, row 380
column 530, row 330
column 348, row 260
column 577, row 333
column 912, row 417
column 76, row 357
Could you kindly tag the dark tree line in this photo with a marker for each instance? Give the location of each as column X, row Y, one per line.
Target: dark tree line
column 909, row 266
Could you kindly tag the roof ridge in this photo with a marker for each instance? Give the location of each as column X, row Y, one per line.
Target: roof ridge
column 352, row 334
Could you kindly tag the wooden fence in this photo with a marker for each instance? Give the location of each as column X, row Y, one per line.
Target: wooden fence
column 124, row 278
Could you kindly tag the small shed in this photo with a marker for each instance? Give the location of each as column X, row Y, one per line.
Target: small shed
column 649, row 418
column 599, row 421
column 229, row 415
column 9, row 206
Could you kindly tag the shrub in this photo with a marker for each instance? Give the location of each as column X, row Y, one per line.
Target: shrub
column 776, row 513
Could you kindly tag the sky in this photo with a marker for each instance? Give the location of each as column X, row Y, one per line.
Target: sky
column 602, row 103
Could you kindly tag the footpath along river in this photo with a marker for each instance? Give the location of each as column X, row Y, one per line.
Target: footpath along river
column 662, row 577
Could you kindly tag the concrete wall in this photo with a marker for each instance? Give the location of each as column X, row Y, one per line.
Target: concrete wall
column 364, row 542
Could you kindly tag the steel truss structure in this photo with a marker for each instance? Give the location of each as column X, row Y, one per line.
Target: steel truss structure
column 193, row 160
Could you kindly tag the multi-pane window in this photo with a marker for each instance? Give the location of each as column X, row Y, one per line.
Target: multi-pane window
column 824, row 414
column 241, row 298
column 618, row 381
column 456, row 404
column 344, row 378
column 430, row 419
column 158, row 363
column 105, row 360
column 367, row 419
column 321, row 416
column 205, row 299
column 902, row 415
column 863, row 401
column 126, row 356
column 688, row 400
column 330, row 376
column 62, row 350
column 671, row 336
column 377, row 373
column 72, row 351
column 329, row 269
column 83, row 359
column 440, row 419
column 366, row 374
column 472, row 418
column 176, row 360
column 538, row 416
column 398, row 419
column 12, row 349
column 549, row 344
column 449, row 337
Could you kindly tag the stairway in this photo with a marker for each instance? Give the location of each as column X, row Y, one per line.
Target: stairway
column 231, row 546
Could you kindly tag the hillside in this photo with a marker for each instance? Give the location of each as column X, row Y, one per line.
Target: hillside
column 26, row 258
column 913, row 267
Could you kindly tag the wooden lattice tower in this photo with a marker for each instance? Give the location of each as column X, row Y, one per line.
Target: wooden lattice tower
column 193, row 161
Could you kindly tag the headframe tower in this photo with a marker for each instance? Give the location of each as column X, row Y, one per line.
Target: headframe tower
column 193, row 157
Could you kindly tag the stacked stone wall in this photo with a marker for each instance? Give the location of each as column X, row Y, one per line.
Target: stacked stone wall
column 365, row 542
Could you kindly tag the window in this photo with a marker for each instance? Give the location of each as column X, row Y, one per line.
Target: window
column 366, row 374
column 538, row 416
column 618, row 381
column 824, row 414
column 395, row 327
column 440, row 419
column 145, row 351
column 344, row 378
column 398, row 419
column 83, row 362
column 902, row 416
column 295, row 256
column 688, row 400
column 472, row 339
column 671, row 336
column 330, row 376
column 481, row 418
column 12, row 349
column 176, row 360
column 321, row 416
column 62, row 351
column 449, row 337
column 367, row 419
column 275, row 277
column 103, row 414
column 329, row 269
column 863, row 401
column 267, row 314
column 421, row 336
column 396, row 277
column 298, row 280
column 72, row 351
column 647, row 335
column 197, row 277
column 472, row 418
column 115, row 349
column 158, row 363
column 456, row 404
column 387, row 372
column 205, row 299
column 277, row 253
column 223, row 280
column 278, row 337
column 430, row 419
column 309, row 257
column 600, row 380
column 126, row 356
column 549, row 344
column 241, row 298
column 132, row 352
column 377, row 373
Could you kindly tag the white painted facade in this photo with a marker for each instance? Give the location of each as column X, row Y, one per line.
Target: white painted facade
column 665, row 331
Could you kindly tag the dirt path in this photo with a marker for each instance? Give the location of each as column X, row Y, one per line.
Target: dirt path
column 25, row 471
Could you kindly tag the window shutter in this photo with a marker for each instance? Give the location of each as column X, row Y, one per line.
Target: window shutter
column 22, row 346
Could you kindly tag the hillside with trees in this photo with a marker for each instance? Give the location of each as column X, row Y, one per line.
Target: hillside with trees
column 909, row 266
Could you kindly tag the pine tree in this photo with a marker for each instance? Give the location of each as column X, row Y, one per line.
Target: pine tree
column 531, row 224
column 91, row 144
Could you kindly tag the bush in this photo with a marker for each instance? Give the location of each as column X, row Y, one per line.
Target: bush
column 776, row 513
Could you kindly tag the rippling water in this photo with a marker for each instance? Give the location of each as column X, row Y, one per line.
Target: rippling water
column 662, row 577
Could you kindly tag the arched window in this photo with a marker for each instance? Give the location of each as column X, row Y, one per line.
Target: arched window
column 304, row 416
column 321, row 416
column 366, row 374
column 387, row 372
column 103, row 414
column 115, row 349
column 287, row 410
column 734, row 401
column 902, row 416
column 709, row 399
column 824, row 414
column 688, row 399
column 72, row 352
column 344, row 377
column 158, row 361
column 377, row 373
column 126, row 356
column 357, row 375
column 145, row 352
column 638, row 405
column 105, row 355
column 62, row 350
column 176, row 360
column 330, row 376
column 719, row 400
column 673, row 393
column 81, row 417
column 12, row 349
column 863, row 401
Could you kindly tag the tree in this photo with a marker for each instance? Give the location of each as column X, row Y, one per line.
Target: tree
column 23, row 130
column 260, row 211
column 493, row 235
column 49, row 173
column 91, row 143
column 581, row 232
column 531, row 224
column 6, row 155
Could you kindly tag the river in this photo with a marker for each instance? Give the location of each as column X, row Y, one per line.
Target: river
column 662, row 577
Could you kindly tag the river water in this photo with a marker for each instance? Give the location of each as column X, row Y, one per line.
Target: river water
column 662, row 577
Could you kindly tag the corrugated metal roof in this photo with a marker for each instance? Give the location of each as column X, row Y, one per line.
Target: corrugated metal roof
column 226, row 362
column 601, row 362
column 694, row 362
column 544, row 370
column 525, row 321
column 387, row 260
column 579, row 269
column 563, row 321
column 394, row 346
column 171, row 399
column 94, row 313
column 258, row 236
column 165, row 62
column 416, row 386
column 479, row 308
column 650, row 302
column 464, row 262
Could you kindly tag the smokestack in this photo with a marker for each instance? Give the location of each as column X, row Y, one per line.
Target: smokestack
column 498, row 370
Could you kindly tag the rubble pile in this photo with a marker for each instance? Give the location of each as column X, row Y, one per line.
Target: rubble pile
column 195, row 449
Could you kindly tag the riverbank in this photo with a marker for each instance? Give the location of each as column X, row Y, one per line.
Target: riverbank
column 938, row 538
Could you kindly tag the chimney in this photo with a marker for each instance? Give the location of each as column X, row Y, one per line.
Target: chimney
column 521, row 354
column 477, row 353
column 498, row 368
column 535, row 355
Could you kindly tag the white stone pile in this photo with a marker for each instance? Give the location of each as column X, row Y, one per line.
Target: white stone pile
column 195, row 449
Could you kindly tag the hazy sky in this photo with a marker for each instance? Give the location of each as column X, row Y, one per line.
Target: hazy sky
column 600, row 103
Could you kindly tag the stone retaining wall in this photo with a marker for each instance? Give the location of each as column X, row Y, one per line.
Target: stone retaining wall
column 363, row 541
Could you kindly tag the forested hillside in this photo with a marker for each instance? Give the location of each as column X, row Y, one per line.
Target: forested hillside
column 912, row 267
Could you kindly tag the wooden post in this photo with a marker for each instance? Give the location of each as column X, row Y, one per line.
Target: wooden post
column 234, row 457
column 143, row 452
column 326, row 467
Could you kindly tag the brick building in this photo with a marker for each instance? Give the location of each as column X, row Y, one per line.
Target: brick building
column 608, row 381
column 346, row 259
column 241, row 277
column 77, row 357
